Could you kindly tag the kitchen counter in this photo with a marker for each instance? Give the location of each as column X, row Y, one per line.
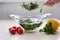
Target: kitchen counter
column 5, row 35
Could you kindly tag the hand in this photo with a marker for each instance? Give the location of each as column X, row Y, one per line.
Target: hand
column 51, row 2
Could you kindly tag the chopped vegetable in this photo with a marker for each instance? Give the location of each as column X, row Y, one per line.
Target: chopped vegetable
column 29, row 25
column 30, row 6
column 47, row 29
column 51, row 27
column 41, row 10
column 26, row 21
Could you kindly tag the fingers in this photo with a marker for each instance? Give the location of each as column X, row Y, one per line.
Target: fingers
column 49, row 3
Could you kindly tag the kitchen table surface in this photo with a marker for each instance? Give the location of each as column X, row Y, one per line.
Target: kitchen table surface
column 5, row 35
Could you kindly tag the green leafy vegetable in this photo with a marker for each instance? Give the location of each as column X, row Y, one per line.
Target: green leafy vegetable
column 30, row 6
column 41, row 10
column 30, row 25
column 26, row 21
column 47, row 29
column 41, row 30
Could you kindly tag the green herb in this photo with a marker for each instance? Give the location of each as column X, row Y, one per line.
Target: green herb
column 47, row 29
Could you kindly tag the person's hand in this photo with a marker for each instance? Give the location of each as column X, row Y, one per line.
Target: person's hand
column 51, row 2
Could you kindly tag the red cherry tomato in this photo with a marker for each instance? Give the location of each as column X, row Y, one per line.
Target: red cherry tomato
column 19, row 30
column 14, row 27
column 12, row 31
column 18, row 27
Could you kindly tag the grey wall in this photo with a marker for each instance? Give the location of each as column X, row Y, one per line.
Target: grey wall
column 0, row 11
column 14, row 8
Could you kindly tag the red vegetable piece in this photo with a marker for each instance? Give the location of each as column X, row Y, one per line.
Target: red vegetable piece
column 19, row 30
column 14, row 27
column 12, row 31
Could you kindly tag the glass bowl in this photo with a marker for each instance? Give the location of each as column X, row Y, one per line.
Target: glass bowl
column 30, row 24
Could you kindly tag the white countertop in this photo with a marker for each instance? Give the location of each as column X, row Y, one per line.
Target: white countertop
column 5, row 35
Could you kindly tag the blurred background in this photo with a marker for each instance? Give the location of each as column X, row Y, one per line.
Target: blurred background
column 8, row 7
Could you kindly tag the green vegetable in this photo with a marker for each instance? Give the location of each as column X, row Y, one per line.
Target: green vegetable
column 26, row 21
column 30, row 25
column 30, row 6
column 41, row 30
column 47, row 29
column 41, row 10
